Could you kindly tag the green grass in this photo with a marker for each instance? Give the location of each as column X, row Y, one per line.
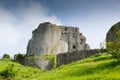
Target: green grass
column 98, row 67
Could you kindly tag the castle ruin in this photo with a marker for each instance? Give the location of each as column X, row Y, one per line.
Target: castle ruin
column 49, row 38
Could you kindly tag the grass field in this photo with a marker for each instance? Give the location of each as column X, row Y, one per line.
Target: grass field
column 98, row 67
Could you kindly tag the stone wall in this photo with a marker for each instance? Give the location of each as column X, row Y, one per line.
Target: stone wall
column 45, row 38
column 76, row 41
column 49, row 39
column 66, row 58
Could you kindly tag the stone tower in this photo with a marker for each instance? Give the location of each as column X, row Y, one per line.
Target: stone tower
column 49, row 38
column 44, row 38
column 75, row 40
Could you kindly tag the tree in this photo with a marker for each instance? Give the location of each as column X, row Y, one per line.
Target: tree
column 113, row 47
column 19, row 58
column 6, row 56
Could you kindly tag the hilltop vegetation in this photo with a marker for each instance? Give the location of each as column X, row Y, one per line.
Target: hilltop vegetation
column 98, row 67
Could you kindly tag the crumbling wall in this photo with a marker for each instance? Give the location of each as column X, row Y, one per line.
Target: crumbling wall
column 66, row 58
column 45, row 40
column 75, row 40
column 49, row 38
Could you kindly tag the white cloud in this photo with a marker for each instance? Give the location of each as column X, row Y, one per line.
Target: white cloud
column 16, row 25
column 8, row 31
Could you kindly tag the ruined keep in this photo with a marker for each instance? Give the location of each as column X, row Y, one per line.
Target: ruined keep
column 74, row 39
column 52, row 39
column 111, row 33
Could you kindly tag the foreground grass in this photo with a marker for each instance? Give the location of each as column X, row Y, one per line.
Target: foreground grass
column 98, row 67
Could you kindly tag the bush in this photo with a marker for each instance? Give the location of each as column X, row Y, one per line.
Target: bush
column 6, row 56
column 19, row 58
column 50, row 57
column 113, row 47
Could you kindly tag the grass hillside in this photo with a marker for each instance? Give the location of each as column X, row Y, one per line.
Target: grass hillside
column 98, row 67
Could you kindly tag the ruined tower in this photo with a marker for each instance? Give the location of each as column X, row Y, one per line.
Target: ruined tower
column 75, row 40
column 52, row 39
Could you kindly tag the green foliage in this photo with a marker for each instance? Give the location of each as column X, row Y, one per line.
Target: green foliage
column 88, row 69
column 113, row 47
column 13, row 71
column 20, row 58
column 45, row 56
column 50, row 57
column 112, row 28
column 8, row 72
column 98, row 67
column 6, row 56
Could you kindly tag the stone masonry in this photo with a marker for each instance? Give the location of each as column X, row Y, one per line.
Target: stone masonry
column 74, row 39
column 69, row 57
column 52, row 39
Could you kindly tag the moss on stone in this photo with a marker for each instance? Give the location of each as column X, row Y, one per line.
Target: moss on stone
column 50, row 57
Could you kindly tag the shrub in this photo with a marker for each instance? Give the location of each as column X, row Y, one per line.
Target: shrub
column 113, row 47
column 6, row 56
column 30, row 60
column 50, row 57
column 19, row 58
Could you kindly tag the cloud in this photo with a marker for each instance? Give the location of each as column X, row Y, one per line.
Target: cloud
column 16, row 25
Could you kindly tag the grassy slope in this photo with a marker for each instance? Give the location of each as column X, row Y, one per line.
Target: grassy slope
column 99, row 67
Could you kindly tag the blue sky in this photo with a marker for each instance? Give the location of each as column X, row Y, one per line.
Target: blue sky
column 19, row 17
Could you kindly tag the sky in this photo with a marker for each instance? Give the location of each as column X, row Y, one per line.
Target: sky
column 18, row 18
